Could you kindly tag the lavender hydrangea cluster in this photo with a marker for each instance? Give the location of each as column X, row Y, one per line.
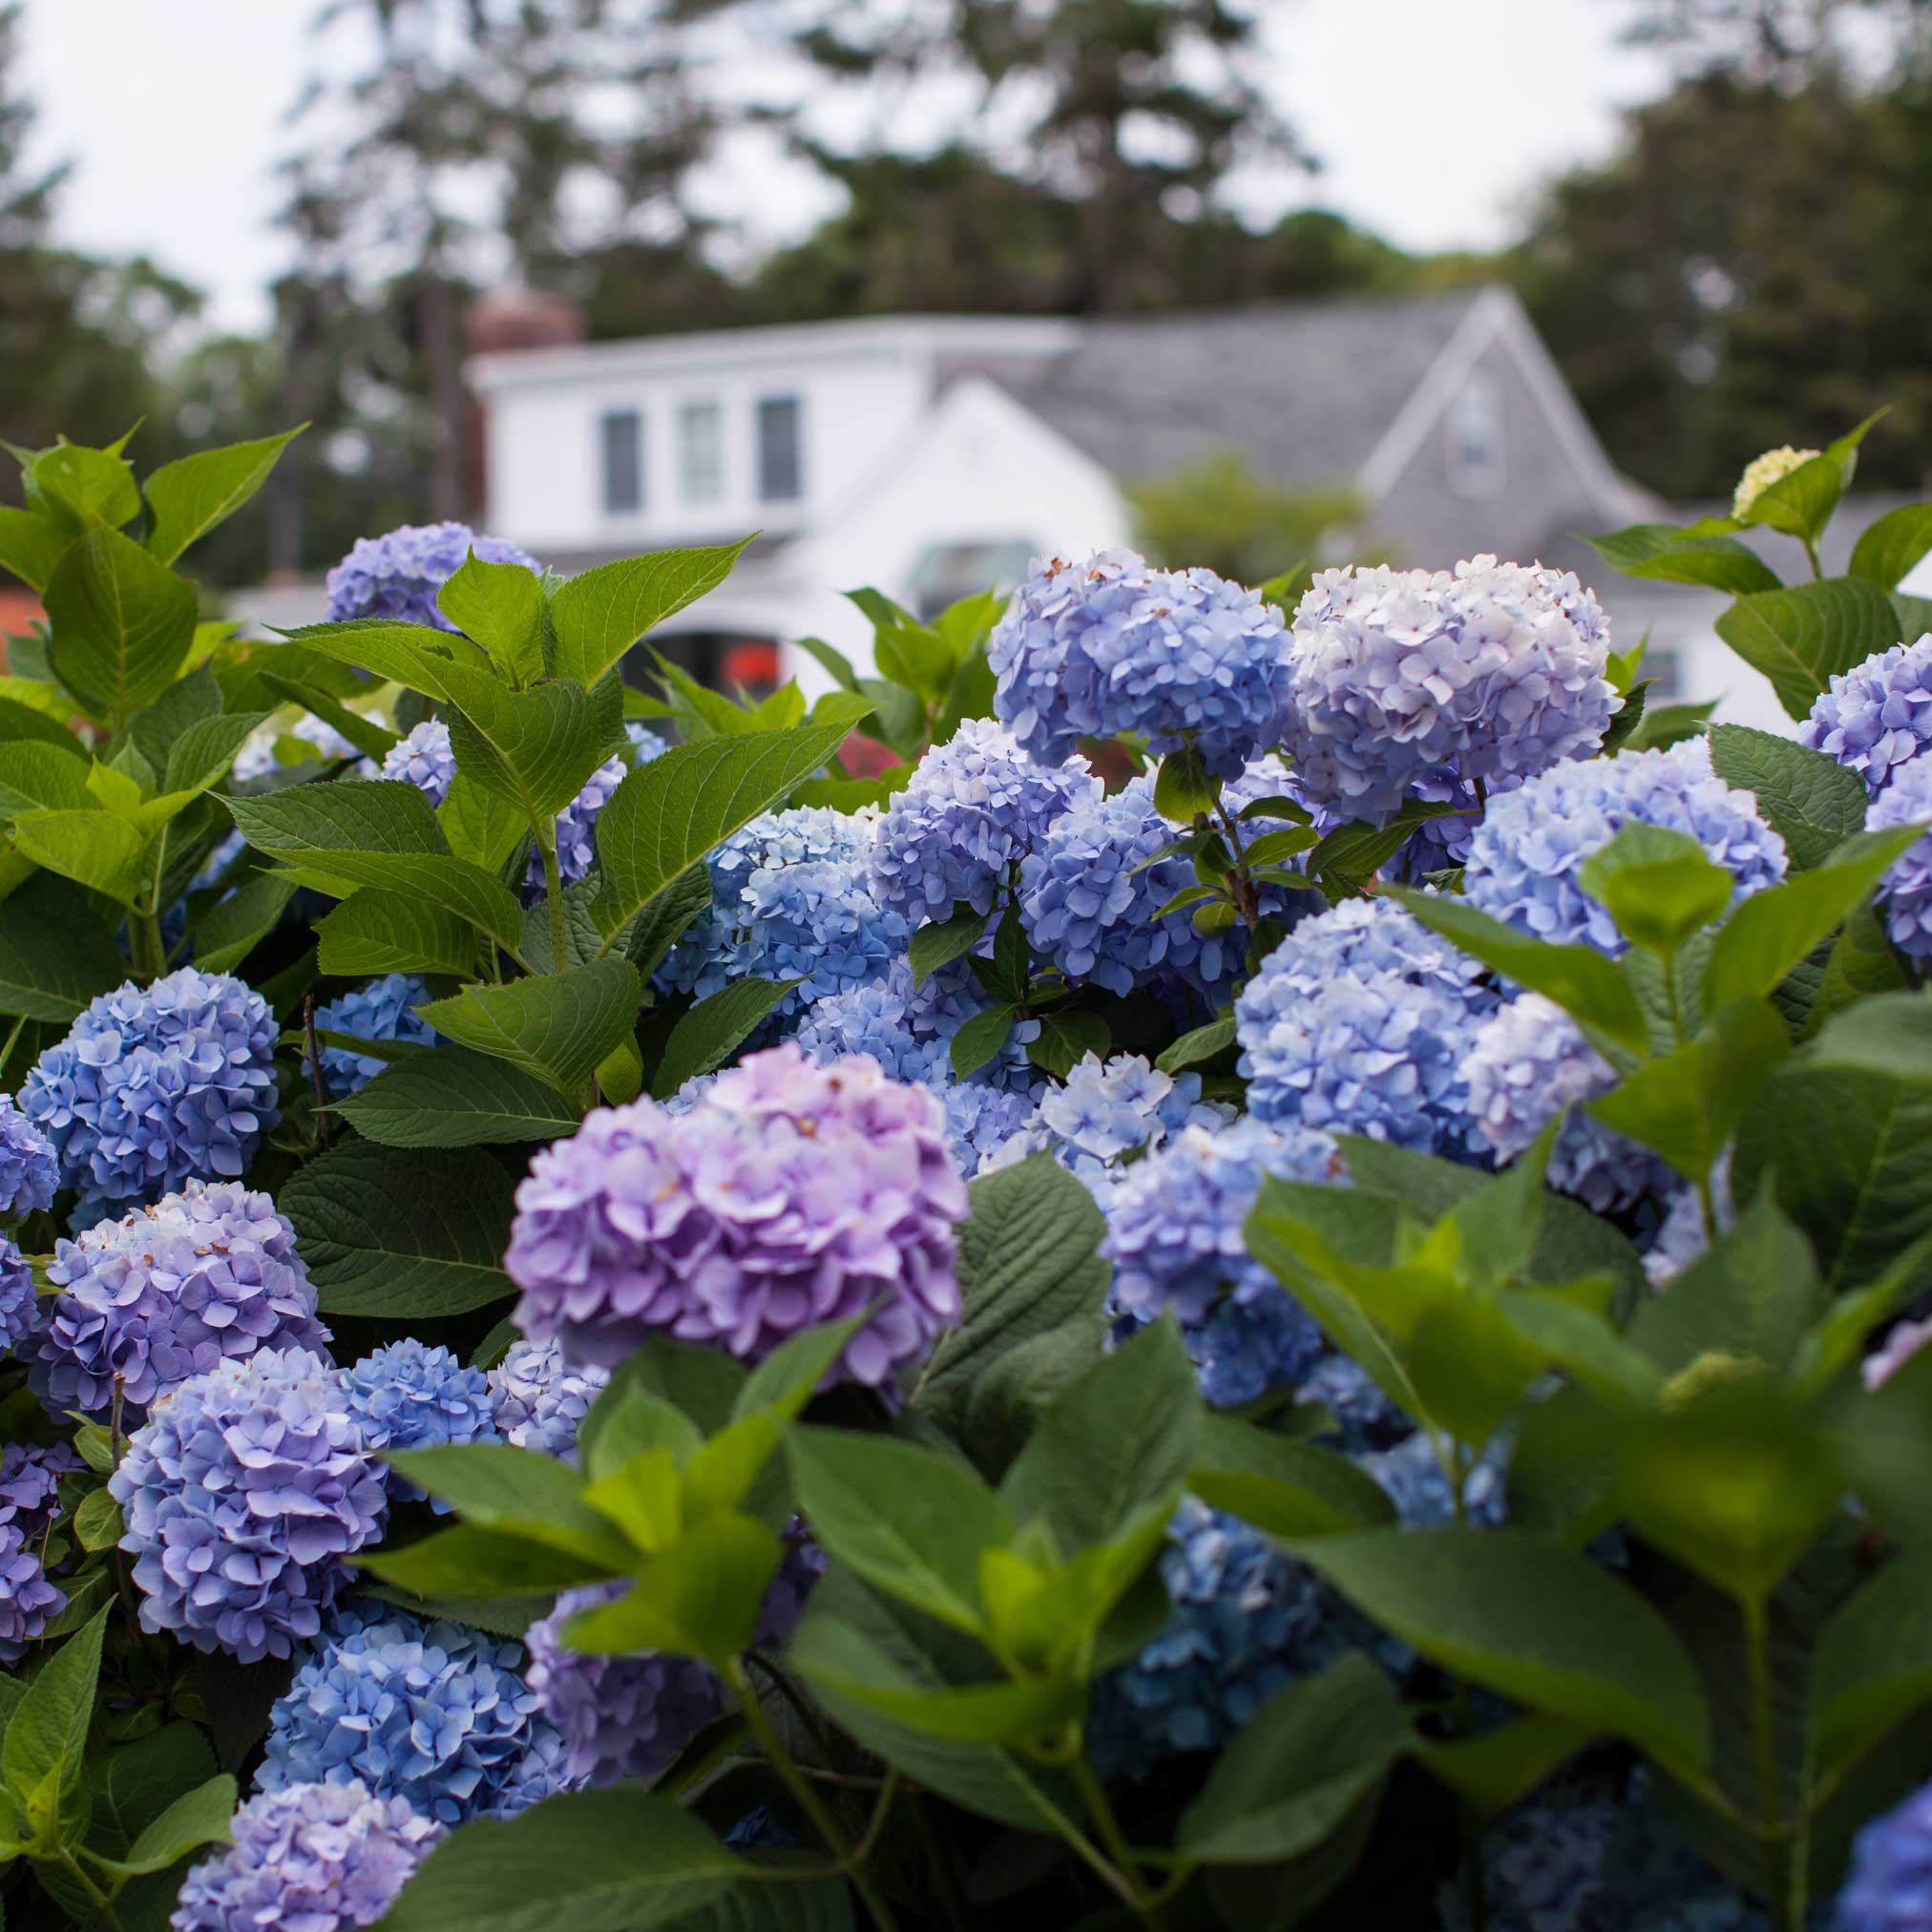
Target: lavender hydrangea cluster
column 1905, row 896
column 261, row 753
column 433, row 1714
column 1878, row 716
column 242, row 1495
column 1365, row 1420
column 1683, row 1235
column 1175, row 1237
column 1108, row 647
column 381, row 1010
column 19, row 1303
column 30, row 1484
column 1418, row 1485
column 1526, row 856
column 396, row 575
column 155, row 1085
column 790, row 1194
column 30, row 1171
column 971, row 810
column 423, row 757
column 207, row 1275
column 1499, row 668
column 308, row 1857
column 576, row 822
column 539, row 1401
column 410, row 1396
column 1889, row 1887
column 1359, row 1023
column 1528, row 1061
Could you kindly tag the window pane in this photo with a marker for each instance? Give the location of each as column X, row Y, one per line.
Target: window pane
column 780, row 469
column 700, row 453
column 623, row 436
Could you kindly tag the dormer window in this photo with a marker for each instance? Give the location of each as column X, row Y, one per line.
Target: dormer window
column 1475, row 430
column 700, row 453
column 780, row 464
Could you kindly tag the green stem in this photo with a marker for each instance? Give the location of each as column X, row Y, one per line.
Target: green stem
column 808, row 1799
column 1707, row 1202
column 1811, row 551
column 144, row 936
column 1247, row 899
column 101, row 1901
column 552, row 892
column 1144, row 1905
column 1770, row 1798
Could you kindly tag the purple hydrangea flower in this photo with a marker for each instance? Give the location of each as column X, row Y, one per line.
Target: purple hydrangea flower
column 1878, row 716
column 1358, row 1023
column 19, row 1305
column 1175, row 1237
column 576, row 822
column 309, row 1858
column 396, row 575
column 1109, row 646
column 168, row 1292
column 154, row 1087
column 424, row 758
column 973, row 808
column 242, row 1494
column 1499, row 668
column 1366, row 1420
column 981, row 1120
column 433, row 1714
column 1683, row 1236
column 30, row 1171
column 1525, row 856
column 1528, row 1061
column 1417, row 1485
column 383, row 1009
column 1905, row 896
column 540, row 1401
column 409, row 1395
column 1905, row 1341
column 27, row 1599
column 789, row 1195
column 1889, row 1888
column 29, row 1482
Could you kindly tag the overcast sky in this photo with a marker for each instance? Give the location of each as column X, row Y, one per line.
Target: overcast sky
column 1437, row 119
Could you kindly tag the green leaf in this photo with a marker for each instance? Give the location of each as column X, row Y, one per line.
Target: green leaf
column 556, row 1025
column 31, row 546
column 1293, row 1772
column 1496, row 1769
column 188, row 498
column 482, row 826
column 187, row 700
column 666, row 920
column 1356, row 851
column 617, row 1860
column 1663, row 550
column 1659, row 886
column 1281, row 1486
column 1802, row 637
column 37, row 776
column 496, row 1485
column 123, row 623
column 403, row 653
column 21, row 723
column 1874, row 1661
column 456, row 1097
column 487, row 1566
column 667, row 814
column 534, row 748
column 500, row 605
column 1800, row 503
column 371, row 739
column 1019, row 1712
column 714, row 1029
column 600, row 613
column 1811, row 801
column 377, row 932
column 1892, row 545
column 1203, row 1043
column 198, row 1817
column 134, row 1784
column 980, row 1040
column 1862, row 964
column 1184, row 788
column 1086, row 1473
column 436, row 878
column 1543, row 1626
column 415, row 1234
column 202, row 755
column 1066, row 1037
column 93, row 848
column 307, row 821
column 935, row 946
column 97, row 1522
column 700, row 1598
column 783, row 1381
column 46, row 1735
column 86, row 488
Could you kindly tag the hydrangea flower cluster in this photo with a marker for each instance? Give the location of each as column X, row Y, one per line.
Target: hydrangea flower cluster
column 1366, row 1420
column 576, row 822
column 1359, row 1023
column 409, row 1395
column 1547, row 1863
column 433, row 1714
column 155, row 1085
column 1683, row 1235
column 242, row 1495
column 380, row 1009
column 1878, row 716
column 1109, row 646
column 1890, row 1886
column 1525, row 856
column 1905, row 897
column 975, row 807
column 1175, row 1237
column 790, row 1194
column 308, row 1857
column 30, row 1171
column 1528, row 1061
column 1762, row 471
column 169, row 1292
column 1418, row 1485
column 19, row 1303
column 1905, row 1341
column 259, row 754
column 30, row 1483
column 424, row 757
column 396, row 575
column 539, row 1401
column 1497, row 667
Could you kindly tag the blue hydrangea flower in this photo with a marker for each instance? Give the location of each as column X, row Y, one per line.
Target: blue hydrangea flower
column 424, row 758
column 1889, row 1888
column 792, row 899
column 168, row 1292
column 973, row 808
column 1366, row 1420
column 1358, row 1023
column 1420, row 1487
column 1497, row 667
column 430, row 1712
column 1175, row 1237
column 27, row 1599
column 154, row 1087
column 576, row 822
column 1528, row 1061
column 30, row 1171
column 242, row 1494
column 1525, row 856
column 310, row 1857
column 1905, row 897
column 383, row 1009
column 1683, row 1235
column 620, row 1717
column 1547, row 1863
column 981, row 1120
column 396, row 575
column 540, row 1401
column 409, row 1395
column 19, row 1304
column 1878, row 716
column 29, row 1482
column 261, row 753
column 1109, row 646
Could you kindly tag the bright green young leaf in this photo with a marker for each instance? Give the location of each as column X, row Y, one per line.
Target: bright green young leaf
column 935, row 946
column 1019, row 1712
column 377, row 932
column 481, row 826
column 1799, row 637
column 94, row 848
column 557, row 1025
column 35, row 775
column 1283, row 1487
column 188, row 498
column 1890, row 548
column 1183, row 789
column 500, row 605
column 1659, row 886
column 600, row 613
column 456, row 1097
column 534, row 748
column 1663, row 550
column 981, row 1039
column 372, row 739
column 198, row 1817
column 31, row 545
column 483, row 1565
column 634, row 1422
column 700, row 1598
column 85, row 487
column 401, row 653
column 202, row 755
column 46, row 1735
column 123, row 623
column 714, row 1029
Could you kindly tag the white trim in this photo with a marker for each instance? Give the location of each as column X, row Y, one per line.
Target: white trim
column 1430, row 396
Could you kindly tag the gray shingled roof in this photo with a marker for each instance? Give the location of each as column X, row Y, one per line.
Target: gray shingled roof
column 1305, row 390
